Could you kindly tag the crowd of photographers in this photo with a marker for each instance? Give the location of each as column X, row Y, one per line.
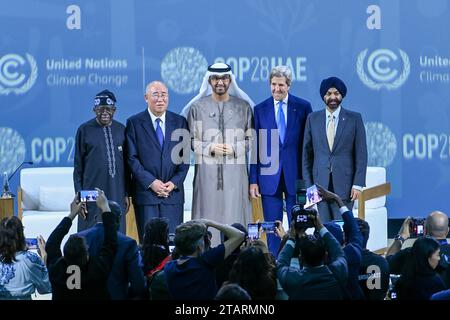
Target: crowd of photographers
column 331, row 263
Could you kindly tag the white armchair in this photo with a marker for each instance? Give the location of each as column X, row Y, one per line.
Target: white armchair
column 188, row 193
column 371, row 207
column 44, row 198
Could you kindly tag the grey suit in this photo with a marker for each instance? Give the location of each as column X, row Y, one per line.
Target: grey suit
column 346, row 163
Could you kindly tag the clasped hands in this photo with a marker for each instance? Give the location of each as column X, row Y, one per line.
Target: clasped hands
column 162, row 189
column 221, row 149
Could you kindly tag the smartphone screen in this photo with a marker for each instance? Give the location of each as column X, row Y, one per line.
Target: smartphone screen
column 420, row 229
column 88, row 195
column 312, row 196
column 268, row 227
column 32, row 243
column 253, row 231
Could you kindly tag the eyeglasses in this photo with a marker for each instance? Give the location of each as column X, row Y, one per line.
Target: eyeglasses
column 224, row 78
column 156, row 95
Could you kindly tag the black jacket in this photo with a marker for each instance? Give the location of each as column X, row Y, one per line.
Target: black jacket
column 93, row 275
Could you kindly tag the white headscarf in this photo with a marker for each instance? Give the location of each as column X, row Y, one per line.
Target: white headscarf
column 205, row 89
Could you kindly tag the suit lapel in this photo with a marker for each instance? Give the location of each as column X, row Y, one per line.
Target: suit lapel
column 270, row 115
column 170, row 126
column 148, row 128
column 291, row 117
column 341, row 126
column 323, row 128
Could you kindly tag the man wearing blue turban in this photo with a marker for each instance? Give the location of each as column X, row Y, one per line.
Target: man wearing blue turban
column 334, row 149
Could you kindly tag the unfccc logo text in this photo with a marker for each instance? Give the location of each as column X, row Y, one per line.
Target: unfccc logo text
column 383, row 68
column 17, row 74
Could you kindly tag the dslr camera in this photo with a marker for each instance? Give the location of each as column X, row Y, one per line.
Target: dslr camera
column 416, row 227
column 301, row 216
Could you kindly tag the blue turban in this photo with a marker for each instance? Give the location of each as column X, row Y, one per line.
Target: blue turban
column 335, row 230
column 333, row 82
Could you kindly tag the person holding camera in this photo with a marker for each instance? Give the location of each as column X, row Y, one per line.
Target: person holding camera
column 351, row 241
column 76, row 275
column 22, row 272
column 317, row 280
column 436, row 226
column 192, row 276
column 126, row 280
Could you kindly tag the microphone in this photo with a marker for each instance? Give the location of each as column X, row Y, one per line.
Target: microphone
column 6, row 192
column 25, row 162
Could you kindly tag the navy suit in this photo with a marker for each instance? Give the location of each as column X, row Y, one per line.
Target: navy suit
column 148, row 161
column 126, row 279
column 288, row 168
column 346, row 163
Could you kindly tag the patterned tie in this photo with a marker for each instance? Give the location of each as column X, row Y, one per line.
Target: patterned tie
column 330, row 131
column 159, row 132
column 281, row 124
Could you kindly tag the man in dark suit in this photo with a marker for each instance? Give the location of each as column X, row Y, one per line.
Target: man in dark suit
column 158, row 156
column 278, row 166
column 335, row 150
column 126, row 279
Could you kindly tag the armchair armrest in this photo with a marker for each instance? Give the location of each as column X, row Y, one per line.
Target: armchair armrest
column 258, row 215
column 371, row 193
column 131, row 229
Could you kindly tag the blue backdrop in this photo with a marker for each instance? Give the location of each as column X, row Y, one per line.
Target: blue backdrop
column 393, row 55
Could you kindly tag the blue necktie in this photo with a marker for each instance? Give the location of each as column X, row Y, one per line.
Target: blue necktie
column 281, row 124
column 159, row 132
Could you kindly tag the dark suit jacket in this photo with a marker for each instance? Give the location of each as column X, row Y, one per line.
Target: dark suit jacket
column 290, row 152
column 320, row 283
column 125, row 269
column 347, row 160
column 93, row 276
column 148, row 162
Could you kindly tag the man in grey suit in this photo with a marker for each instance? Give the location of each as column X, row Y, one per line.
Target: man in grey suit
column 334, row 149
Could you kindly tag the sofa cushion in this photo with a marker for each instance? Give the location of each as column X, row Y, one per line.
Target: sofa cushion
column 31, row 179
column 43, row 223
column 55, row 198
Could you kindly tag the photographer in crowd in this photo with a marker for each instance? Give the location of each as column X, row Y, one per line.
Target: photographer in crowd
column 316, row 280
column 368, row 261
column 92, row 270
column 22, row 272
column 351, row 241
column 436, row 226
column 126, row 280
column 193, row 275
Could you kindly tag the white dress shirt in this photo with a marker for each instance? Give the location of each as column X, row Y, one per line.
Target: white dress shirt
column 277, row 106
column 162, row 124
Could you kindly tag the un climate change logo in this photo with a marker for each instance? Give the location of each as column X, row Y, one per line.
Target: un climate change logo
column 381, row 144
column 12, row 149
column 383, row 69
column 17, row 74
column 183, row 68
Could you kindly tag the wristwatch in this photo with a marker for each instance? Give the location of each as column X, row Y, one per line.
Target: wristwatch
column 399, row 237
